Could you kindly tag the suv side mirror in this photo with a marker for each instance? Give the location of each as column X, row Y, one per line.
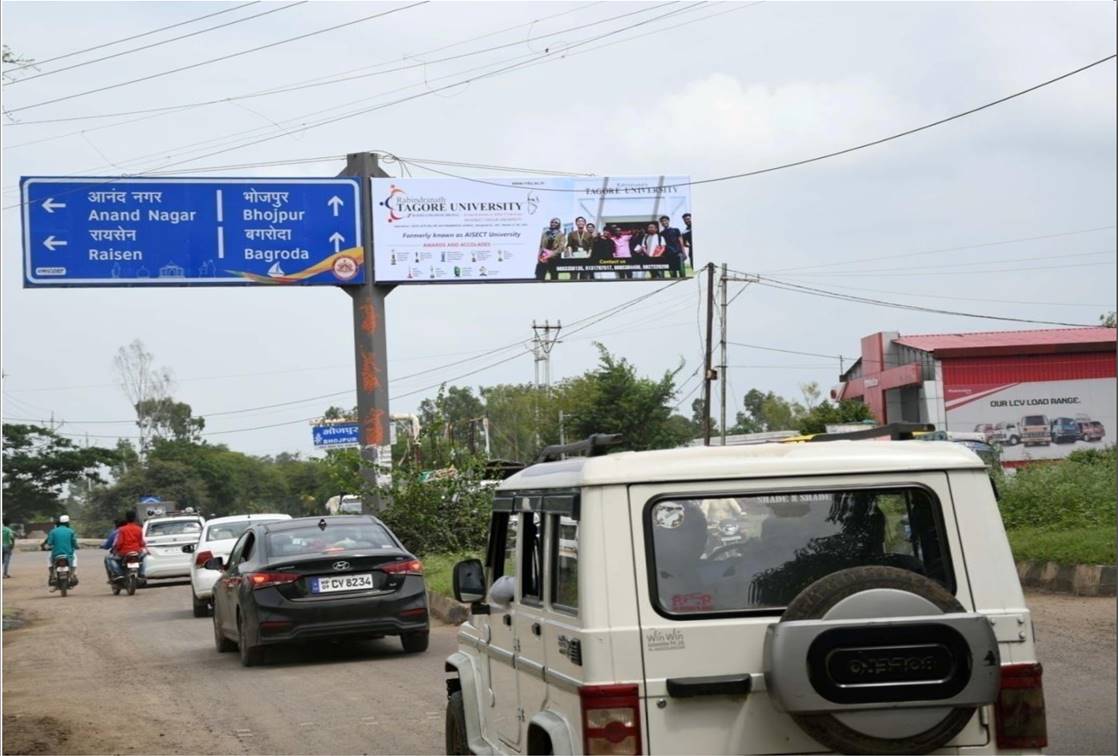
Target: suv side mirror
column 189, row 548
column 214, row 564
column 469, row 581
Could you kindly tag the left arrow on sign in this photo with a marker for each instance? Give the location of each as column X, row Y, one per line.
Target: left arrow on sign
column 50, row 242
column 50, row 205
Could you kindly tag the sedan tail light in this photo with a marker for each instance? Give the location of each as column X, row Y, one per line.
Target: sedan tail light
column 1019, row 713
column 410, row 567
column 611, row 719
column 267, row 579
column 202, row 557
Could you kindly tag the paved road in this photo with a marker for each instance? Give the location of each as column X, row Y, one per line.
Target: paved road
column 63, row 678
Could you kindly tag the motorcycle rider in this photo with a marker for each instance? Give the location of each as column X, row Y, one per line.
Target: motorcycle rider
column 129, row 538
column 108, row 546
column 62, row 542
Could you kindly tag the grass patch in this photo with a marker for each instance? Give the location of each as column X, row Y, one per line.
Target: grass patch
column 438, row 570
column 1073, row 546
column 1079, row 492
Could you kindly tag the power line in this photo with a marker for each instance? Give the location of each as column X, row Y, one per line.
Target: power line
column 811, row 291
column 965, row 272
column 229, row 56
column 955, row 265
column 339, row 78
column 985, row 300
column 788, row 351
column 305, row 126
column 158, row 44
column 37, row 63
column 848, row 150
column 944, row 249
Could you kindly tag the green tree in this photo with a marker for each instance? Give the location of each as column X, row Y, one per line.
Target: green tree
column 512, row 411
column 143, row 384
column 164, row 418
column 613, row 399
column 1109, row 320
column 828, row 413
column 38, row 466
column 768, row 412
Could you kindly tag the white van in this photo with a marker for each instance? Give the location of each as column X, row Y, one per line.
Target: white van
column 873, row 606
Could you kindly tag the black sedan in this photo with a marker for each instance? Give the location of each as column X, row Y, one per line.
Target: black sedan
column 318, row 578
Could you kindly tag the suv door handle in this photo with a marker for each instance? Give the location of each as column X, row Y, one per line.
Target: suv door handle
column 536, row 628
column 507, row 619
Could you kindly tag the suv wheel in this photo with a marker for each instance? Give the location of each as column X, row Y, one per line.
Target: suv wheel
column 836, row 650
column 456, row 740
column 415, row 643
column 201, row 606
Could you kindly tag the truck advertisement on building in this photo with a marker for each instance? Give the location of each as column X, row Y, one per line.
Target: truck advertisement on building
column 1036, row 420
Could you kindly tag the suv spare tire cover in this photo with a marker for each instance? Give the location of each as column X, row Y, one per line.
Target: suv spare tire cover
column 847, row 733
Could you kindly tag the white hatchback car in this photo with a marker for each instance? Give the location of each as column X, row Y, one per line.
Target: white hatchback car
column 217, row 541
column 164, row 538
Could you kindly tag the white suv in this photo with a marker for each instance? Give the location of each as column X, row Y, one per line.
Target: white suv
column 217, row 540
column 870, row 606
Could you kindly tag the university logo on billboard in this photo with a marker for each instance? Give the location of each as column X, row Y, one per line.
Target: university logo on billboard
column 533, row 229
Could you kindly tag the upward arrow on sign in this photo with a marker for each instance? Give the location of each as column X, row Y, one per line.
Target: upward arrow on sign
column 335, row 202
column 337, row 239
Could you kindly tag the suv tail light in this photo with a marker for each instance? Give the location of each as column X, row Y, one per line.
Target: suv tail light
column 267, row 579
column 1019, row 713
column 202, row 557
column 410, row 567
column 611, row 719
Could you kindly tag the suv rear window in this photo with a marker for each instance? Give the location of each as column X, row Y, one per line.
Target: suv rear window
column 225, row 531
column 757, row 552
column 1034, row 420
column 173, row 528
column 311, row 540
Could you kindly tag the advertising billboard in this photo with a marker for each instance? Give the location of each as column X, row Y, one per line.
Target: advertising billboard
column 435, row 230
column 1036, row 420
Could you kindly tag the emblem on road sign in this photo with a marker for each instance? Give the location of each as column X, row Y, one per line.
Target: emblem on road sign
column 345, row 268
column 340, row 566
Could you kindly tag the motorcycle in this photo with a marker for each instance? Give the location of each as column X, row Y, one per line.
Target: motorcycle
column 130, row 579
column 62, row 576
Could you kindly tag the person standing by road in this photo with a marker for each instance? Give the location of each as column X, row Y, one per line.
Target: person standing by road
column 63, row 542
column 552, row 246
column 9, row 544
column 673, row 246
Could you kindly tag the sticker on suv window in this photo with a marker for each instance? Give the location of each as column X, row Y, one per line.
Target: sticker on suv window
column 692, row 602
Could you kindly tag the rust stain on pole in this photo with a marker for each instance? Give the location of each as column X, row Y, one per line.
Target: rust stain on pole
column 373, row 428
column 370, row 381
column 369, row 320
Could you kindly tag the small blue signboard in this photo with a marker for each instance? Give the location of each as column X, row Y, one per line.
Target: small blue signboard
column 337, row 435
column 191, row 231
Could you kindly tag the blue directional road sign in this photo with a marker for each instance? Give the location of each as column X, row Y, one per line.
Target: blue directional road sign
column 337, row 435
column 191, row 231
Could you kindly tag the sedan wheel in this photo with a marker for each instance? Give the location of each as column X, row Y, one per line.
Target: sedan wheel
column 250, row 655
column 223, row 644
column 415, row 643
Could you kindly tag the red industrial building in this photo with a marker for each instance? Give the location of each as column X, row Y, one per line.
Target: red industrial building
column 1039, row 394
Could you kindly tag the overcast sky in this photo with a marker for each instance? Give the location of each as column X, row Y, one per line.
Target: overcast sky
column 717, row 89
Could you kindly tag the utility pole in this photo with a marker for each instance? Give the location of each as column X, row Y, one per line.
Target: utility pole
column 542, row 343
column 722, row 370
column 710, row 374
column 370, row 345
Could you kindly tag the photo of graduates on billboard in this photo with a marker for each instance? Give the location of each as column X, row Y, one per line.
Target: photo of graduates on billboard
column 619, row 249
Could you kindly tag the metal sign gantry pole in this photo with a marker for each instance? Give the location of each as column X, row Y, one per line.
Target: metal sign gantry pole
column 370, row 344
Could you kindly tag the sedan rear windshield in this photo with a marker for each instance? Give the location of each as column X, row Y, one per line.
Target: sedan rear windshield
column 334, row 538
column 174, row 528
column 756, row 553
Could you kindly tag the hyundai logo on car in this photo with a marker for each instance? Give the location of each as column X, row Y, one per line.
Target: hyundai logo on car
column 339, row 566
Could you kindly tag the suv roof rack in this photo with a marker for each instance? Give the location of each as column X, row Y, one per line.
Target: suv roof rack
column 895, row 431
column 592, row 446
